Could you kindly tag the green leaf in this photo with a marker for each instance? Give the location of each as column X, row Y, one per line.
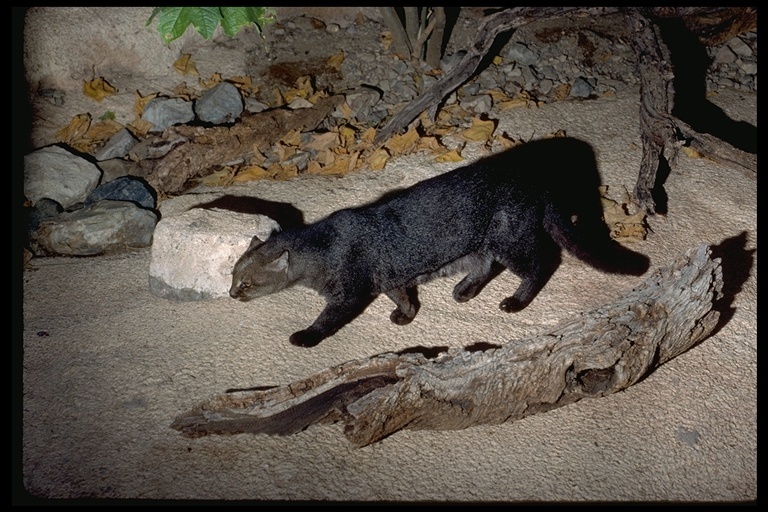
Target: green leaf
column 172, row 22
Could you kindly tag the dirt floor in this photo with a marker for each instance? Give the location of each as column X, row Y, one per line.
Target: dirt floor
column 107, row 366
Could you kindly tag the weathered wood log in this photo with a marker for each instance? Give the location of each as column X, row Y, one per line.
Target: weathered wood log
column 662, row 133
column 592, row 355
column 199, row 150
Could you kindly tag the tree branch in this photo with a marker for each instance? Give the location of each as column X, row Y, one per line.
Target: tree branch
column 592, row 355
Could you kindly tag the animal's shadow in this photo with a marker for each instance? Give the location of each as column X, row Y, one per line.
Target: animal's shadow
column 285, row 214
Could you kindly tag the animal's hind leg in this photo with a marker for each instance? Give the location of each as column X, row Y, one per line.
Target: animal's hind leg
column 534, row 268
column 407, row 301
column 475, row 281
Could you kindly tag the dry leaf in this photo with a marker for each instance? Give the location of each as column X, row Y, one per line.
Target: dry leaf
column 450, row 156
column 689, row 151
column 505, row 141
column 76, row 128
column 245, row 84
column 339, row 167
column 250, row 173
column 286, row 172
column 497, row 96
column 561, row 91
column 378, row 160
column 292, row 138
column 480, row 130
column 322, row 141
column 386, row 39
column 140, row 127
column 347, row 136
column 141, row 102
column 369, row 135
column 402, row 144
column 624, row 227
column 258, row 157
column 313, row 167
column 98, row 89
column 184, row 91
column 334, row 61
column 430, row 144
column 497, row 60
column 185, row 66
column 353, row 159
column 325, row 157
column 219, row 178
column 215, row 79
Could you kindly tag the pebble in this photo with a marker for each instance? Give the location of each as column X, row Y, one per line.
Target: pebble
column 220, row 104
column 165, row 112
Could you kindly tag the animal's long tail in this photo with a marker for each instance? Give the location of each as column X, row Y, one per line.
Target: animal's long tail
column 594, row 246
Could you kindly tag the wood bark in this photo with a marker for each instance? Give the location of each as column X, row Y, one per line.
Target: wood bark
column 662, row 133
column 592, row 355
column 197, row 150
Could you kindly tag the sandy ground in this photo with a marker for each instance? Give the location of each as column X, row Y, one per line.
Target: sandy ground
column 107, row 366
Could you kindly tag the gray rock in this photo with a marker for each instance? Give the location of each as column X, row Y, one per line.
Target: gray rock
column 724, row 55
column 165, row 112
column 521, row 54
column 55, row 173
column 105, row 226
column 117, row 168
column 117, row 146
column 43, row 209
column 749, row 68
column 546, row 85
column 739, row 47
column 480, row 104
column 220, row 104
column 254, row 106
column 193, row 253
column 449, row 62
column 126, row 188
column 581, row 88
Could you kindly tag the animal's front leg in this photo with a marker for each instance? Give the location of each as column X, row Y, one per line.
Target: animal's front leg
column 335, row 316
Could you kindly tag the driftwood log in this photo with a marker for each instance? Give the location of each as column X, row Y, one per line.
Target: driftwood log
column 662, row 133
column 196, row 150
column 595, row 354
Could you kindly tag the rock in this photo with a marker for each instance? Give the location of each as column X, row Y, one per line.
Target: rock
column 479, row 104
column 361, row 100
column 581, row 88
column 58, row 174
column 739, row 47
column 105, row 226
column 193, row 253
column 43, row 209
column 117, row 168
column 165, row 112
column 220, row 104
column 117, row 146
column 521, row 54
column 725, row 55
column 125, row 188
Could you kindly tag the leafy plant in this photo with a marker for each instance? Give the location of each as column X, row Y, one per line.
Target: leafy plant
column 172, row 22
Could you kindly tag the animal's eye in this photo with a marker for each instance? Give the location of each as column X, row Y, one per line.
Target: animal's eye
column 244, row 286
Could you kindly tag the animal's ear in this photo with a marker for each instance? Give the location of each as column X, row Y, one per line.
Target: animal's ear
column 255, row 242
column 278, row 265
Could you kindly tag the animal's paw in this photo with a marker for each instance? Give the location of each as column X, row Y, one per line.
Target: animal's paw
column 400, row 318
column 511, row 305
column 306, row 338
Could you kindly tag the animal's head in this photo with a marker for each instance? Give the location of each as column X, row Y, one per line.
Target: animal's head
column 261, row 270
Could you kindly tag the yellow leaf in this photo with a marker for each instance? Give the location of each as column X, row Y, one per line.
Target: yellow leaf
column 403, row 144
column 497, row 96
column 258, row 157
column 480, row 130
column 98, row 89
column 278, row 98
column 245, row 84
column 378, row 160
column 326, row 157
column 450, row 156
column 313, row 167
column 292, row 94
column 386, row 39
column 317, row 96
column 103, row 131
column 353, row 158
column 322, row 141
column 689, row 151
column 369, row 135
column 76, row 128
column 292, row 138
column 184, row 91
column 334, row 61
column 347, row 135
column 286, row 172
column 215, row 79
column 141, row 102
column 185, row 66
column 140, row 127
column 497, row 60
column 250, row 173
column 561, row 91
column 429, row 144
column 218, row 178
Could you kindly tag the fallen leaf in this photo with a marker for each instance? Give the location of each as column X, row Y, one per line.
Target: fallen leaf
column 292, row 138
column 386, row 39
column 215, row 79
column 334, row 61
column 480, row 130
column 140, row 128
column 286, row 172
column 250, row 173
column 497, row 96
column 184, row 91
column 378, row 160
column 689, row 151
column 185, row 66
column 141, row 102
column 347, row 136
column 624, row 227
column 429, row 144
column 313, row 167
column 322, row 141
column 218, row 178
column 561, row 91
column 369, row 135
column 497, row 60
column 245, row 84
column 402, row 144
column 98, row 89
column 505, row 141
column 76, row 128
column 450, row 156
